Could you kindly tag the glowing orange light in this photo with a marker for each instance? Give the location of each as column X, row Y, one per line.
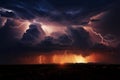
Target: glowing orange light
column 80, row 59
column 62, row 59
column 42, row 59
column 66, row 58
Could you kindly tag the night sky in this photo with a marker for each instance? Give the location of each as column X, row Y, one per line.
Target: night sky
column 51, row 31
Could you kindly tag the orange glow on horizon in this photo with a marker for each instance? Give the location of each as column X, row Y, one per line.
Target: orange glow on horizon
column 66, row 58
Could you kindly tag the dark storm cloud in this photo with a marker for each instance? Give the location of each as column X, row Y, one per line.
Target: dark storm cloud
column 110, row 22
column 50, row 43
column 108, row 25
column 65, row 40
column 71, row 12
column 7, row 34
column 73, row 3
column 33, row 35
column 76, row 38
column 7, row 13
column 65, row 12
column 10, row 33
column 81, row 38
column 32, row 8
column 68, row 12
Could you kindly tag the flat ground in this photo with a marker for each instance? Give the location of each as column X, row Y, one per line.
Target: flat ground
column 60, row 72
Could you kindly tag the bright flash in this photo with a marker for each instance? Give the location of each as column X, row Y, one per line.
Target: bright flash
column 62, row 59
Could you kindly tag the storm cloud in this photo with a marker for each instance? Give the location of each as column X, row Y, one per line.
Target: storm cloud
column 33, row 35
column 30, row 28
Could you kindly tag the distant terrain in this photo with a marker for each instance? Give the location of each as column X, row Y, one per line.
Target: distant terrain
column 88, row 71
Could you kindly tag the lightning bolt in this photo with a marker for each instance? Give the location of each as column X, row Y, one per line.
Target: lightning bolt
column 93, row 33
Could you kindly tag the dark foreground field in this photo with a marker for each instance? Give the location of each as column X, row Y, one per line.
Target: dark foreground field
column 60, row 72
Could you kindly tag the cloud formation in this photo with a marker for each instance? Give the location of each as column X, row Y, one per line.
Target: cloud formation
column 42, row 27
column 33, row 35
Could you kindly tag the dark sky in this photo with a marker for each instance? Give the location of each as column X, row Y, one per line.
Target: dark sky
column 33, row 26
